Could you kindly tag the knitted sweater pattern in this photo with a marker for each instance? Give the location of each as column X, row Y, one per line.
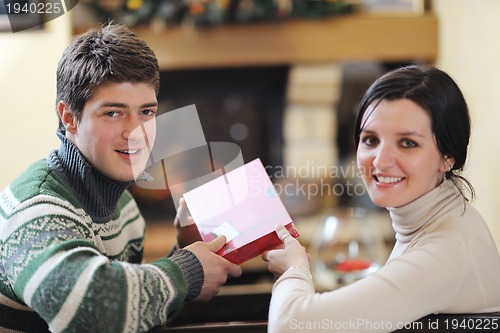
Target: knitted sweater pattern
column 71, row 247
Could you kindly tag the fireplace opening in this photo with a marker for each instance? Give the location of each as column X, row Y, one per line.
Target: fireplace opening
column 242, row 105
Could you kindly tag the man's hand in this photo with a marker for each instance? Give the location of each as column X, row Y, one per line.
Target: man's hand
column 215, row 267
column 186, row 229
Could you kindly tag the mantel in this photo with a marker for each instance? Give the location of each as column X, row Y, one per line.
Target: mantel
column 390, row 38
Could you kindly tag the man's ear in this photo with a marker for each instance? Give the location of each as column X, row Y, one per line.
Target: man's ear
column 67, row 116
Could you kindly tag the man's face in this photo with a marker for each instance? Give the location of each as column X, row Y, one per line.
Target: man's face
column 117, row 129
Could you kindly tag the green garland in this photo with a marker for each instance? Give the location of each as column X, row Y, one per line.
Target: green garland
column 212, row 12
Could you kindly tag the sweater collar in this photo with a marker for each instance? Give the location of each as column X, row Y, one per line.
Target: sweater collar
column 98, row 194
column 423, row 213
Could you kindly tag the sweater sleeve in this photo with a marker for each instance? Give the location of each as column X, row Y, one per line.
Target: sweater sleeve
column 53, row 264
column 192, row 271
column 420, row 282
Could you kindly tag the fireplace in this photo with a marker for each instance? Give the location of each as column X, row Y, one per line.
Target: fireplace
column 244, row 106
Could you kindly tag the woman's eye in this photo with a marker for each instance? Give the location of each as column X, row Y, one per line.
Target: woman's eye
column 369, row 140
column 408, row 143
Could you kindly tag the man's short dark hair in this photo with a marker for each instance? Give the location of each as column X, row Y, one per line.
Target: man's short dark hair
column 105, row 54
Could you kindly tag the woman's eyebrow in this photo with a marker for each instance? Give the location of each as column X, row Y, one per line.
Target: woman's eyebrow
column 368, row 131
column 411, row 133
column 404, row 133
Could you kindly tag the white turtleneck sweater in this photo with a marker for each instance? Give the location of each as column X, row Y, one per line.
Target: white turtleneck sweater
column 444, row 261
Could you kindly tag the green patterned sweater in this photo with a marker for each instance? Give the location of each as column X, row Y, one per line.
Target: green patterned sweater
column 71, row 249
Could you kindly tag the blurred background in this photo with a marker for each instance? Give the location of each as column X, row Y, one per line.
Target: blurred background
column 280, row 78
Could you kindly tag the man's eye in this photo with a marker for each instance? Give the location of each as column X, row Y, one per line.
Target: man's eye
column 148, row 112
column 111, row 113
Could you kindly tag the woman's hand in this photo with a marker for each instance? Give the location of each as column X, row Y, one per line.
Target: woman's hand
column 186, row 229
column 290, row 254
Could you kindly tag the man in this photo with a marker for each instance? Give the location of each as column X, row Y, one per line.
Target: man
column 71, row 235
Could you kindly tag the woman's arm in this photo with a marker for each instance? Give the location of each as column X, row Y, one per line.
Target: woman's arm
column 422, row 281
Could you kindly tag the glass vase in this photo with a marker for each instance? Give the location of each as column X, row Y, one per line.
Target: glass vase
column 347, row 245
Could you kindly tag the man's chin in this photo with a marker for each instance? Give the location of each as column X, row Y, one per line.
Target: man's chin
column 125, row 178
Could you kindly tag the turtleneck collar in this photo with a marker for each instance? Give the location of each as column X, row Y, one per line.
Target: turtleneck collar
column 98, row 194
column 424, row 212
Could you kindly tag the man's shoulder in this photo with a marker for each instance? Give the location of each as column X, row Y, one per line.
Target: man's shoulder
column 37, row 179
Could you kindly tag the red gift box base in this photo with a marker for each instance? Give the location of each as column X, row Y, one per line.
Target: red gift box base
column 255, row 247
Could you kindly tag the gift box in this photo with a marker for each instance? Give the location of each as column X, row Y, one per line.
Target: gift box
column 243, row 205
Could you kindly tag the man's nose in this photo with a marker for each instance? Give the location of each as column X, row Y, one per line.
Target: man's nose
column 133, row 128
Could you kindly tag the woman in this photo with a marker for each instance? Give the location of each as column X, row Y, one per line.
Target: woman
column 411, row 135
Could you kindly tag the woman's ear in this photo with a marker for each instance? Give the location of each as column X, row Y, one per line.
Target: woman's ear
column 447, row 164
column 67, row 117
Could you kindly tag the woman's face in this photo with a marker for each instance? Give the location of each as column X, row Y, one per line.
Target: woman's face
column 397, row 153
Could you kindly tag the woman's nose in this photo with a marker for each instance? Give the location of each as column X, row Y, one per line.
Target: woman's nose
column 384, row 157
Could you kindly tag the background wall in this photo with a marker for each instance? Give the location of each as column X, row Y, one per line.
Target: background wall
column 469, row 50
column 28, row 120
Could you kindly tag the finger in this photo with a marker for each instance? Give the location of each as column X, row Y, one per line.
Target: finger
column 217, row 243
column 235, row 270
column 268, row 255
column 283, row 234
column 182, row 217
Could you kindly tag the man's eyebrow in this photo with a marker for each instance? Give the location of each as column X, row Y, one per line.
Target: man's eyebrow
column 123, row 105
column 148, row 105
column 114, row 105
